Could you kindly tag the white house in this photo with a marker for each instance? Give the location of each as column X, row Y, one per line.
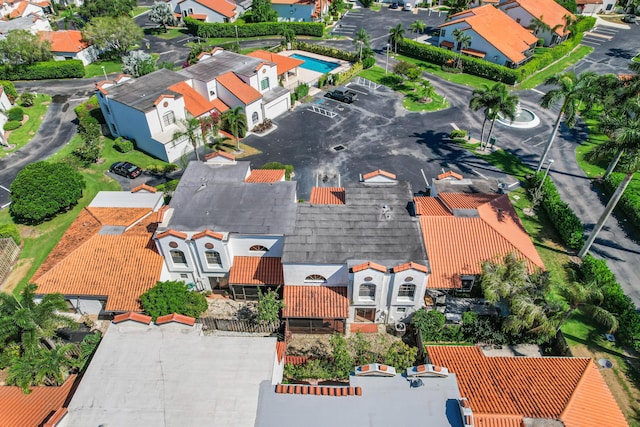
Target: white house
column 206, row 10
column 495, row 37
column 300, row 10
column 68, row 44
column 31, row 23
column 17, row 9
column 552, row 14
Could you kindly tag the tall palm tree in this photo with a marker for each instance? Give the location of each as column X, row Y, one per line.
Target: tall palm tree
column 538, row 25
column 629, row 164
column 587, row 297
column 496, row 101
column 463, row 41
column 192, row 129
column 483, row 99
column 571, row 89
column 622, row 125
column 236, row 122
column 362, row 38
column 417, row 27
column 456, row 6
column 396, row 34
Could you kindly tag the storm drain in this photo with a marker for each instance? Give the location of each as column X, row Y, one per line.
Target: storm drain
column 338, row 148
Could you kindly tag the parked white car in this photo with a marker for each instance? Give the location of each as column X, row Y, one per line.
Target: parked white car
column 407, row 6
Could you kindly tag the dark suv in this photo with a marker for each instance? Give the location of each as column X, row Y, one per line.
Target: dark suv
column 394, row 5
column 126, row 169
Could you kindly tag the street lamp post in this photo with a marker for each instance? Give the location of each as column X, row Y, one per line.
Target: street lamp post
column 361, row 43
column 546, row 172
column 237, row 41
column 104, row 72
column 386, row 65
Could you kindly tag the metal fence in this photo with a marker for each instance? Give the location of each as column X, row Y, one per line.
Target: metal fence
column 234, row 325
column 9, row 252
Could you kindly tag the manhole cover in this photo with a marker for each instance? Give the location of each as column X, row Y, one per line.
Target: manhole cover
column 339, row 148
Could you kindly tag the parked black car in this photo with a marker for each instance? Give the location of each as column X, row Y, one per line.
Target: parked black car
column 126, row 169
column 394, row 5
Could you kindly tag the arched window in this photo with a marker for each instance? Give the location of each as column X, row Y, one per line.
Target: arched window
column 315, row 278
column 168, row 118
column 258, row 248
column 367, row 291
column 407, row 290
column 254, row 117
column 213, row 259
column 177, row 257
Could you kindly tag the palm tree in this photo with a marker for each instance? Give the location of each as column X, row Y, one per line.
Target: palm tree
column 236, row 122
column 417, row 27
column 192, row 129
column 622, row 125
column 587, row 297
column 483, row 99
column 68, row 16
column 496, row 101
column 363, row 39
column 463, row 41
column 571, row 89
column 538, row 25
column 396, row 34
column 426, row 91
column 629, row 164
column 456, row 6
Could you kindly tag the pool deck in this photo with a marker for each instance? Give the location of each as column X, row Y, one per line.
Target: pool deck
column 308, row 76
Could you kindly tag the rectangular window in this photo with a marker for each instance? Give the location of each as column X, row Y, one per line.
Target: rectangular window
column 367, row 291
column 184, row 276
column 406, row 290
column 443, row 33
column 365, row 315
column 177, row 257
column 213, row 259
column 264, row 83
column 168, row 118
column 401, row 310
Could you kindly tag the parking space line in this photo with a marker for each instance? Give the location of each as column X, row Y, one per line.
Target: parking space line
column 455, row 126
column 5, row 188
column 604, row 36
column 538, row 91
column 356, row 90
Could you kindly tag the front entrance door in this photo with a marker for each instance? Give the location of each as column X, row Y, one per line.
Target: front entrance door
column 365, row 315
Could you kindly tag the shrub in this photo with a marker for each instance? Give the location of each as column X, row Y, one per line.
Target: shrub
column 43, row 70
column 27, row 99
column 629, row 202
column 123, row 145
column 12, row 125
column 585, row 23
column 15, row 114
column 228, row 30
column 540, row 42
column 302, row 90
column 458, row 134
column 340, row 78
column 10, row 230
column 322, row 80
column 9, row 89
column 269, row 306
column 328, row 51
column 368, row 62
column 173, row 297
column 400, row 356
column 548, row 56
column 428, row 323
column 42, row 189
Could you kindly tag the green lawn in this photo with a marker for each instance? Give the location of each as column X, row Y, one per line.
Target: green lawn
column 171, row 33
column 539, row 78
column 138, row 10
column 95, row 69
column 460, row 78
column 503, row 160
column 24, row 133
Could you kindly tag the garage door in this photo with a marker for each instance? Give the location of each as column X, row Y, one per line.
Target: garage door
column 276, row 108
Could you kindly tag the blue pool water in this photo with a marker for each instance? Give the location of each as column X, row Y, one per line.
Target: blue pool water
column 317, row 65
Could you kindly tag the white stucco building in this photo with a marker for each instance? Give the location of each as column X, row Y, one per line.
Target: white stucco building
column 592, row 7
column 554, row 16
column 207, row 10
column 68, row 44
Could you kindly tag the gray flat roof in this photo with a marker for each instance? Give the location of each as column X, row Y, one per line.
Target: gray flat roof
column 216, row 196
column 385, row 402
column 466, row 186
column 374, row 225
column 20, row 23
column 172, row 376
column 142, row 92
column 127, row 199
column 222, row 63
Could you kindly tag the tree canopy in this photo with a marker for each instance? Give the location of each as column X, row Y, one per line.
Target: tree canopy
column 173, row 297
column 94, row 8
column 261, row 11
column 42, row 189
column 113, row 34
column 22, row 47
column 161, row 14
column 138, row 63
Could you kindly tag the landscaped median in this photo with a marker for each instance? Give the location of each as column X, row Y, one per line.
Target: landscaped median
column 33, row 116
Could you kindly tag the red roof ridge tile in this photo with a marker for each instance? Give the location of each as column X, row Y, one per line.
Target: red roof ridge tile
column 175, row 317
column 133, row 316
column 144, row 187
column 221, row 154
column 377, row 173
column 161, row 97
column 172, row 232
column 369, row 265
column 161, row 212
column 331, row 391
column 450, row 174
column 295, row 360
column 56, row 417
column 281, row 349
column 410, row 265
column 208, row 233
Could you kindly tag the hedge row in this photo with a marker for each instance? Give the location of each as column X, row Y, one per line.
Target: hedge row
column 328, row 51
column 228, row 30
column 10, row 230
column 549, row 56
column 614, row 300
column 565, row 221
column 629, row 202
column 345, row 76
column 470, row 65
column 43, row 70
column 585, row 23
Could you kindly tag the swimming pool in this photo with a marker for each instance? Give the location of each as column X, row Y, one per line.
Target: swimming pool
column 314, row 64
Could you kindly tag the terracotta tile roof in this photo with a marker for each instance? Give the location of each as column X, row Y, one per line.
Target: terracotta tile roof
column 19, row 410
column 458, row 245
column 281, row 348
column 567, row 389
column 295, row 360
column 161, row 97
column 118, row 216
column 208, row 233
column 283, row 63
column 245, row 93
column 221, row 154
column 199, row 16
column 379, row 172
column 144, row 187
column 195, row 103
column 253, row 270
column 368, row 265
column 64, row 41
column 172, row 232
column 132, row 315
column 17, row 12
column 364, row 328
column 55, row 419
column 450, row 174
column 490, row 420
column 548, row 11
column 335, row 391
column 223, row 7
column 265, row 175
column 120, row 267
column 498, row 29
column 319, row 302
column 175, row 317
column 410, row 265
column 161, row 212
column 431, row 206
column 465, row 200
column 327, row 196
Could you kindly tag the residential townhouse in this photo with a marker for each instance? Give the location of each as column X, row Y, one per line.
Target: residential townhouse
column 207, row 10
column 152, row 109
column 495, row 37
column 300, row 10
column 591, row 7
column 31, row 23
column 550, row 12
column 69, row 44
column 13, row 9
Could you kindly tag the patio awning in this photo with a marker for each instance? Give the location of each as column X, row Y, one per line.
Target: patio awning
column 318, row 302
column 473, row 52
column 447, row 44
